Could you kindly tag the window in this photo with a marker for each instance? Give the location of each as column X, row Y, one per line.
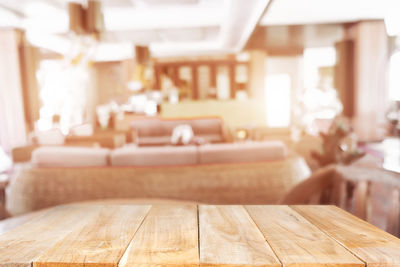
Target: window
column 223, row 83
column 277, row 99
column 320, row 99
column 64, row 92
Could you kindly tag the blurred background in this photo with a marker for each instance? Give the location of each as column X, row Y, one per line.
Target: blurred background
column 305, row 84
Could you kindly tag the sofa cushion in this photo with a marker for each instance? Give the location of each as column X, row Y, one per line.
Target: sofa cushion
column 153, row 156
column 61, row 156
column 211, row 138
column 154, row 140
column 150, row 127
column 166, row 140
column 200, row 126
column 158, row 127
column 241, row 152
column 206, row 126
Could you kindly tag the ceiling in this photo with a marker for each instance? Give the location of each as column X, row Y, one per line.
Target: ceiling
column 180, row 27
column 298, row 12
column 169, row 27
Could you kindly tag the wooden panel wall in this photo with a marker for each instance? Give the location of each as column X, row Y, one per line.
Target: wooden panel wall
column 230, row 62
column 110, row 81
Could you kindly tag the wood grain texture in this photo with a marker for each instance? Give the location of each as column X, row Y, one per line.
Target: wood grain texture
column 22, row 245
column 229, row 237
column 167, row 237
column 125, row 235
column 7, row 225
column 296, row 241
column 374, row 246
column 101, row 241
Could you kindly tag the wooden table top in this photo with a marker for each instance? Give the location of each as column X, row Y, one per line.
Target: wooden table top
column 203, row 235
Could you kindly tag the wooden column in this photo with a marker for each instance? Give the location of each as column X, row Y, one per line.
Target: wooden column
column 157, row 77
column 213, row 75
column 371, row 55
column 195, row 86
column 29, row 61
column 344, row 75
column 176, row 76
column 232, row 80
column 257, row 74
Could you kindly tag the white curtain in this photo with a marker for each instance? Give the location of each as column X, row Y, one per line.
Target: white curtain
column 12, row 120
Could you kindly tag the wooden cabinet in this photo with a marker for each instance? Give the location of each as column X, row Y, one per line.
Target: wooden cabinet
column 203, row 79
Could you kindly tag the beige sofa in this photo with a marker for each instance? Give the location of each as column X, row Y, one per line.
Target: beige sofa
column 262, row 182
column 158, row 131
column 250, row 173
column 204, row 154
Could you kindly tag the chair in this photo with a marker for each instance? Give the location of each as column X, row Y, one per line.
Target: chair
column 371, row 194
column 310, row 191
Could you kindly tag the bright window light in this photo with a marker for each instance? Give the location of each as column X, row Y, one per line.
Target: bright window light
column 63, row 92
column 277, row 99
column 392, row 19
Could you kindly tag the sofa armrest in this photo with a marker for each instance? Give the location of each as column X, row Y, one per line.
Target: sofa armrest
column 23, row 153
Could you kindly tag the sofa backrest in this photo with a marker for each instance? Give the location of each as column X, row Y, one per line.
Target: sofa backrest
column 154, row 156
column 242, row 152
column 162, row 127
column 200, row 126
column 64, row 156
column 149, row 127
column 205, row 154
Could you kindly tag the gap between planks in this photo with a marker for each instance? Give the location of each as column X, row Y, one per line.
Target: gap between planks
column 198, row 234
column 257, row 226
column 330, row 236
column 258, row 229
column 140, row 225
column 266, row 240
column 350, row 259
column 356, row 235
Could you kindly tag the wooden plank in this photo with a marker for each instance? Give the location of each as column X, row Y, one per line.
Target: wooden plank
column 374, row 246
column 102, row 240
column 229, row 237
column 22, row 245
column 296, row 241
column 7, row 225
column 168, row 236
